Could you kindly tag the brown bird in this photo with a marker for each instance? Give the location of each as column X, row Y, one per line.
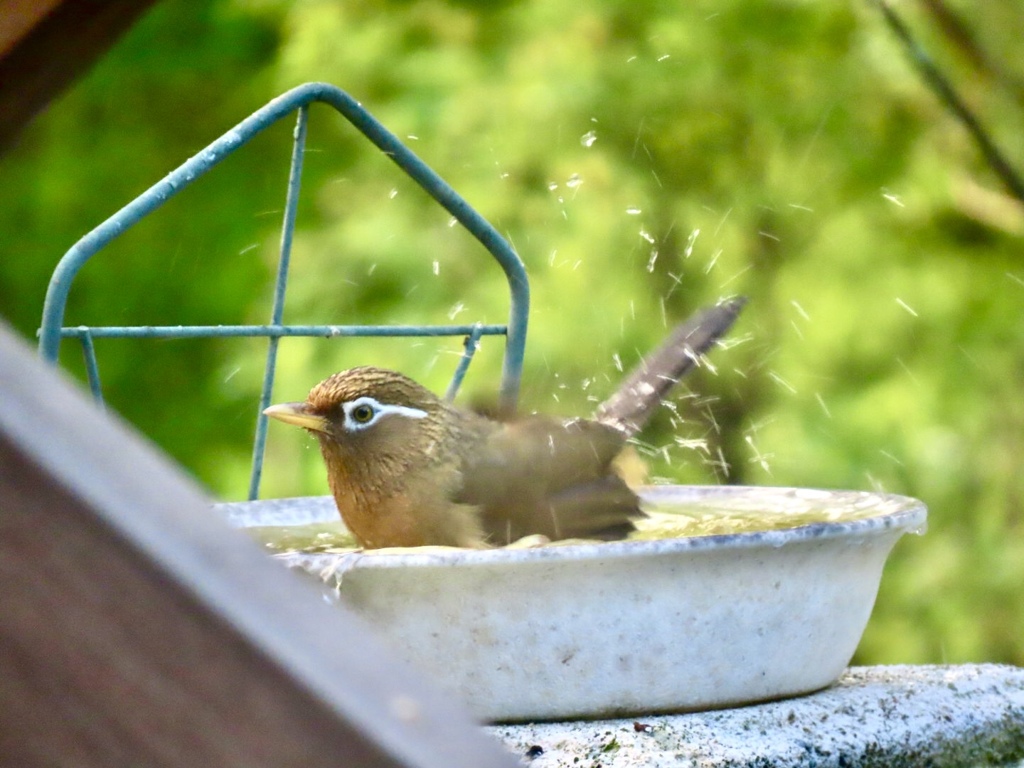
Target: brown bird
column 408, row 469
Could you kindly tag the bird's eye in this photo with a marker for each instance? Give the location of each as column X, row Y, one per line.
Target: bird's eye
column 362, row 414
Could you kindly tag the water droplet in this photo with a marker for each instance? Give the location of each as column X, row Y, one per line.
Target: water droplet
column 781, row 381
column 907, row 307
column 437, row 267
column 574, row 181
column 588, row 139
column 633, row 211
column 651, row 261
column 714, row 260
column 821, row 402
column 552, row 186
column 688, row 251
column 892, row 198
column 800, row 309
column 758, row 457
column 392, row 194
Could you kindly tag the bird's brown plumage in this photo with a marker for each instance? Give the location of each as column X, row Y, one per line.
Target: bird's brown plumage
column 408, row 469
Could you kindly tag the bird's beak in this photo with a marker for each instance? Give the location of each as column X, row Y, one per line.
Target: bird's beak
column 297, row 414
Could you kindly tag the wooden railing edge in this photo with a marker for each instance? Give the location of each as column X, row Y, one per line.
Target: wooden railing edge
column 137, row 628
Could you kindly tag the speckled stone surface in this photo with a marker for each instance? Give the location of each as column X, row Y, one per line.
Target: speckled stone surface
column 964, row 715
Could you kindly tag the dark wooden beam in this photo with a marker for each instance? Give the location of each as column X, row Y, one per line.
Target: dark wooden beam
column 136, row 628
column 46, row 44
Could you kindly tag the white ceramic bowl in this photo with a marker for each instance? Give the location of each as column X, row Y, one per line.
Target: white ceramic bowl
column 632, row 627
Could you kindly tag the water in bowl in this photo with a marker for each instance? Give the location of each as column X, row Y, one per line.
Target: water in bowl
column 669, row 515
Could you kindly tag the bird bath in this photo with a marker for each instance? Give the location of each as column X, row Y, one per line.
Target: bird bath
column 611, row 629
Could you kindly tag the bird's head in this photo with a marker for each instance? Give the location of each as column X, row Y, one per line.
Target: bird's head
column 368, row 414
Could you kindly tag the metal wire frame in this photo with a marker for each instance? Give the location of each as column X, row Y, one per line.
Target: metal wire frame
column 297, row 100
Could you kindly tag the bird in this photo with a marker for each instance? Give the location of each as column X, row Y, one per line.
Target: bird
column 407, row 468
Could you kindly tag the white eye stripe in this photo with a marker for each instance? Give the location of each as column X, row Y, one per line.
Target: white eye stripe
column 378, row 410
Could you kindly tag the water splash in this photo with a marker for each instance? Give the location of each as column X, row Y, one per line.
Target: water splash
column 677, row 281
column 758, row 458
column 714, row 260
column 821, row 402
column 891, row 457
column 781, row 382
column 893, row 198
column 907, row 307
column 698, row 444
column 651, row 261
column 910, row 373
column 688, row 250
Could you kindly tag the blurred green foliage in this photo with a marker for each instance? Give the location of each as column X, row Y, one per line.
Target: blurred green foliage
column 644, row 158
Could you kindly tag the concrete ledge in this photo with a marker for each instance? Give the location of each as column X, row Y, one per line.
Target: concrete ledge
column 964, row 715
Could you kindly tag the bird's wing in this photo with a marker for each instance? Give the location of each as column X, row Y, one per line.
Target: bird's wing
column 552, row 477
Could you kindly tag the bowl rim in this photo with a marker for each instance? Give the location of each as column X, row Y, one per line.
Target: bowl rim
column 909, row 515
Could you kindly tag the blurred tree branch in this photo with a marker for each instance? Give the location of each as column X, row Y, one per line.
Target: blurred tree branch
column 965, row 41
column 942, row 88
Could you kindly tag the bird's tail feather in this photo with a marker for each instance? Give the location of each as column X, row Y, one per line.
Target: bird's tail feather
column 643, row 390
